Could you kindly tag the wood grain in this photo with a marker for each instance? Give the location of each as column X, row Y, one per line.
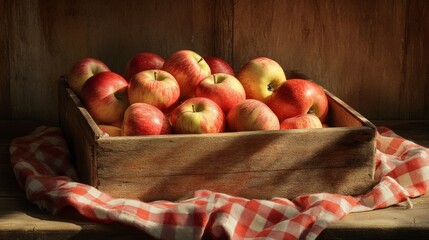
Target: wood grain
column 44, row 39
column 223, row 29
column 353, row 48
column 394, row 222
column 317, row 149
column 371, row 54
column 248, row 184
column 266, row 165
column 80, row 131
column 22, row 220
column 414, row 84
column 19, row 219
column 5, row 105
column 339, row 159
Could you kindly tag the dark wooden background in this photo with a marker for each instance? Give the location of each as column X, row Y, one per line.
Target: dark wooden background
column 373, row 54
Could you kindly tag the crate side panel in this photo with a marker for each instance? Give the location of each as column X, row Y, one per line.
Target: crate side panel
column 259, row 185
column 78, row 133
column 342, row 115
column 236, row 152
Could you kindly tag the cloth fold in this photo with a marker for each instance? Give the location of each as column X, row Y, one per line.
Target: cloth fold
column 42, row 166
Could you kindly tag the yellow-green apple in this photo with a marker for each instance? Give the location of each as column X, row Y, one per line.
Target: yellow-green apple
column 302, row 121
column 297, row 97
column 156, row 87
column 144, row 119
column 188, row 68
column 260, row 77
column 223, row 89
column 252, row 115
column 105, row 97
column 110, row 130
column 218, row 65
column 82, row 70
column 143, row 61
column 197, row 115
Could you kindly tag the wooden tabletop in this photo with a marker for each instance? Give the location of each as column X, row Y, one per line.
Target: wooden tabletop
column 19, row 219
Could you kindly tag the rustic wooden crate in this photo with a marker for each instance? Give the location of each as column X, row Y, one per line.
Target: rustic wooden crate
column 260, row 164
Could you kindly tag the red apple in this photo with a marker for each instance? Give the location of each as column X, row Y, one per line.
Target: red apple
column 197, row 115
column 171, row 108
column 82, row 71
column 155, row 87
column 143, row 61
column 105, row 97
column 252, row 115
column 260, row 77
column 144, row 119
column 110, row 130
column 218, row 65
column 301, row 121
column 188, row 68
column 297, row 97
column 223, row 89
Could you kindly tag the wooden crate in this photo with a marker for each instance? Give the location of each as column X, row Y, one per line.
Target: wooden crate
column 260, row 164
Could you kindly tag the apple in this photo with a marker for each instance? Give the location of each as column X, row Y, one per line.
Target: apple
column 172, row 107
column 156, row 87
column 252, row 115
column 144, row 119
column 143, row 61
column 302, row 121
column 82, row 70
column 117, row 123
column 218, row 65
column 260, row 77
column 110, row 130
column 297, row 97
column 105, row 97
column 188, row 68
column 223, row 89
column 197, row 115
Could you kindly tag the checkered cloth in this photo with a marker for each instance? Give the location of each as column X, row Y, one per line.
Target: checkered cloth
column 41, row 163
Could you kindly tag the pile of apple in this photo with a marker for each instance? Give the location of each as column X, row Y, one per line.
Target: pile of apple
column 187, row 93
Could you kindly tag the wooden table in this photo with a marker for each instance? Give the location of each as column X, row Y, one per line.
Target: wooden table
column 19, row 219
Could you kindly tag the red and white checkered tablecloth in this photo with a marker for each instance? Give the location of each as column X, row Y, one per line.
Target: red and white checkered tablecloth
column 41, row 163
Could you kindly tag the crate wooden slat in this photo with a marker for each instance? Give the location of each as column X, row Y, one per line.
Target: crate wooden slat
column 260, row 164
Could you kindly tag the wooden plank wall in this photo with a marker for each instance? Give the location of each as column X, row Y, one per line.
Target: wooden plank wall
column 373, row 54
column 5, row 106
column 45, row 38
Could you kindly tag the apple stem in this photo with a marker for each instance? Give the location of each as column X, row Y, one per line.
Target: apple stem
column 214, row 79
column 154, row 74
column 270, row 87
column 193, row 108
column 201, row 59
